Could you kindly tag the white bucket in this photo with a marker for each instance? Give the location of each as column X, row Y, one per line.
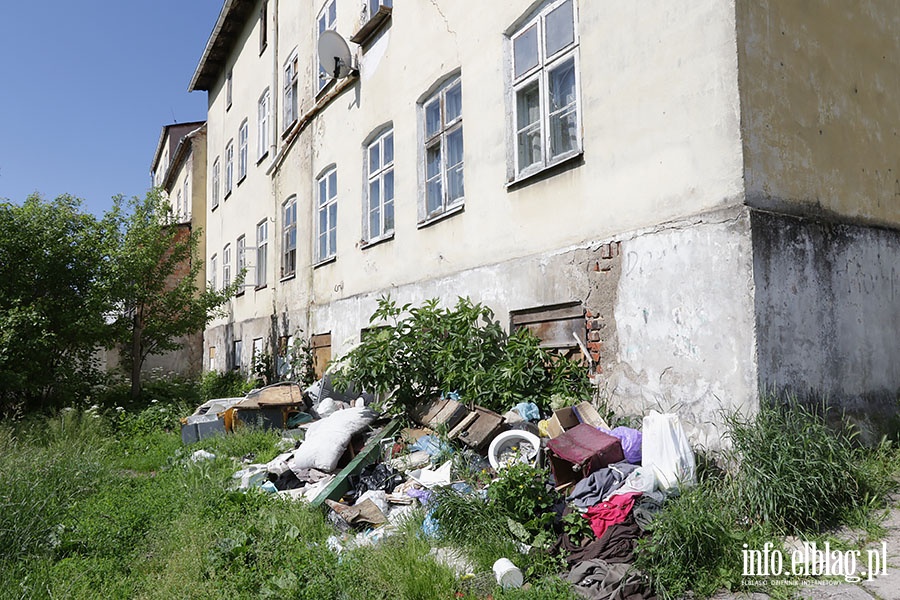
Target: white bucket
column 508, row 575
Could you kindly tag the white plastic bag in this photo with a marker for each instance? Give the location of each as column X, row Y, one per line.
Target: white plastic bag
column 666, row 450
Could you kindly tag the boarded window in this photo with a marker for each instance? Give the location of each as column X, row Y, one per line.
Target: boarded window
column 557, row 327
column 321, row 350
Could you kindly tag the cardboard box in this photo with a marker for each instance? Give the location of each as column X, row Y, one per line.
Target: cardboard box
column 570, row 416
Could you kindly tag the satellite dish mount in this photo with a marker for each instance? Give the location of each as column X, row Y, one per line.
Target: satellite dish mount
column 334, row 55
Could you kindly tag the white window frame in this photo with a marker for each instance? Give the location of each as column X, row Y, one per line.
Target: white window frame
column 243, row 142
column 291, row 89
column 540, row 75
column 372, row 6
column 188, row 209
column 229, row 167
column 262, row 248
column 240, row 257
column 262, row 116
column 215, row 183
column 377, row 177
column 238, row 354
column 213, row 268
column 326, row 20
column 439, row 140
column 289, row 237
column 178, row 206
column 226, row 266
column 326, row 210
column 229, row 86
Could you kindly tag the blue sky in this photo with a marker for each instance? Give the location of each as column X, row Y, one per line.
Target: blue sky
column 85, row 88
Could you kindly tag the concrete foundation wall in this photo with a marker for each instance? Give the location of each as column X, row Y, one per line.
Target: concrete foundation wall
column 828, row 313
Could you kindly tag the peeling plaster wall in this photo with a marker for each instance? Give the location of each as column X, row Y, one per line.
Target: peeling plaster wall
column 828, row 313
column 819, row 110
column 685, row 323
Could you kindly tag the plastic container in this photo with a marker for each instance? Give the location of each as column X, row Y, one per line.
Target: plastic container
column 506, row 441
column 508, row 575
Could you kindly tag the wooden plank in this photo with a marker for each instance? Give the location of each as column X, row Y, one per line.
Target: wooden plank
column 449, row 416
column 484, row 429
column 425, row 413
column 463, row 425
column 368, row 455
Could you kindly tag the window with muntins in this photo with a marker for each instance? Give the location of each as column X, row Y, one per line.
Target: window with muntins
column 372, row 6
column 229, row 167
column 187, row 199
column 262, row 247
column 262, row 132
column 243, row 135
column 379, row 201
column 226, row 265
column 215, row 183
column 443, row 152
column 324, row 22
column 326, row 229
column 290, row 91
column 213, row 268
column 178, row 206
column 545, row 71
column 289, row 237
column 240, row 251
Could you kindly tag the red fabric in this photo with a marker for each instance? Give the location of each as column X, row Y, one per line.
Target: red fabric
column 606, row 514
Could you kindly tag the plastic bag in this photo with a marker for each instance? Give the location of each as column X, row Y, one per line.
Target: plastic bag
column 666, row 450
column 631, row 442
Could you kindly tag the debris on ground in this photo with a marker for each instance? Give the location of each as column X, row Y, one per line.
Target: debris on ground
column 370, row 471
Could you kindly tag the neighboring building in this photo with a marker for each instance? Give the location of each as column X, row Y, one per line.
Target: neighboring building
column 701, row 191
column 179, row 171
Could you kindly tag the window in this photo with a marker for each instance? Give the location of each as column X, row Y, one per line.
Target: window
column 545, row 89
column 290, row 91
column 262, row 133
column 325, row 21
column 241, row 257
column 289, row 237
column 263, row 26
column 187, row 198
column 228, row 89
column 215, row 183
column 262, row 244
column 443, row 155
column 243, row 134
column 213, row 267
column 212, row 358
column 327, row 213
column 372, row 6
column 226, row 265
column 257, row 351
column 229, row 167
column 178, row 206
column 379, row 202
column 238, row 351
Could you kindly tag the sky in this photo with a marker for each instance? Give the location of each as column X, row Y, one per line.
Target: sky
column 85, row 88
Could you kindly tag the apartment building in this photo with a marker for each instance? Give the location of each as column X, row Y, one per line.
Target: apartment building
column 698, row 194
column 178, row 170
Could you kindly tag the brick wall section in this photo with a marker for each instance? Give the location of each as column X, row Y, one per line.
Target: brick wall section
column 608, row 255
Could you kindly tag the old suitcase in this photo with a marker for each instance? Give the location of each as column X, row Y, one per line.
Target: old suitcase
column 580, row 451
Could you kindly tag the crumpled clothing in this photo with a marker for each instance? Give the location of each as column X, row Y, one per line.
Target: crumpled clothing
column 616, row 546
column 595, row 487
column 606, row 514
column 597, row 579
column 647, row 507
column 640, row 480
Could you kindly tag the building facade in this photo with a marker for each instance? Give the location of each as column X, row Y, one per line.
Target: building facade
column 179, row 170
column 701, row 192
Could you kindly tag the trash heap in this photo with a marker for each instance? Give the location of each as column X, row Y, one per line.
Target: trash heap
column 369, row 470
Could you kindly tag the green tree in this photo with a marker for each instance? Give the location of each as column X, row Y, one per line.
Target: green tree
column 154, row 281
column 52, row 300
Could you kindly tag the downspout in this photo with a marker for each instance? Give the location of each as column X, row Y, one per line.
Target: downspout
column 273, row 127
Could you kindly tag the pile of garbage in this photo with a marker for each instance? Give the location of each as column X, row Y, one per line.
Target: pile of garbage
column 370, row 471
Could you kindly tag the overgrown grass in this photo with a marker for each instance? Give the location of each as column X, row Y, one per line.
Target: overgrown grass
column 789, row 473
column 100, row 504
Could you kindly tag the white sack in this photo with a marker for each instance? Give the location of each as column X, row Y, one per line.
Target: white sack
column 327, row 439
column 666, row 450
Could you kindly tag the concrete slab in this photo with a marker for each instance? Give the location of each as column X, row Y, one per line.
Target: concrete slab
column 843, row 591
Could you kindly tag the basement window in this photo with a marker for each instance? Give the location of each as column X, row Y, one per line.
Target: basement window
column 560, row 327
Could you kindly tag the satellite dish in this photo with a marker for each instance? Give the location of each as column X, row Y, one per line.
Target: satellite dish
column 334, row 55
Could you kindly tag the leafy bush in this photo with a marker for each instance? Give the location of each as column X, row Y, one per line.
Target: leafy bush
column 464, row 349
column 230, row 384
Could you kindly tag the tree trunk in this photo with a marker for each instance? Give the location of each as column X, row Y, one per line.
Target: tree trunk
column 137, row 359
